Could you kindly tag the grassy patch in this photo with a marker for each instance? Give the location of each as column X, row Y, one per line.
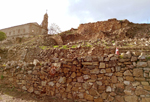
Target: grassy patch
column 55, row 46
column 74, row 46
column 64, row 47
column 43, row 47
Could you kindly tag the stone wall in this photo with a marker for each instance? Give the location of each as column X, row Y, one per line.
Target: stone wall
column 105, row 78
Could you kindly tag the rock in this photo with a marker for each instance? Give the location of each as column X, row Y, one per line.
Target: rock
column 147, row 87
column 127, row 73
column 36, row 62
column 114, row 79
column 128, row 92
column 102, row 65
column 141, row 92
column 145, row 99
column 81, row 95
column 51, row 84
column 142, row 57
column 23, row 82
column 104, row 95
column 37, row 92
column 119, row 99
column 102, row 71
column 135, row 83
column 136, row 53
column 141, row 64
column 113, row 58
column 73, row 75
column 109, row 74
column 131, row 98
column 128, row 54
column 86, row 77
column 57, row 65
column 43, row 83
column 80, row 79
column 86, row 85
column 126, row 82
column 98, row 100
column 138, row 72
column 144, row 83
column 99, row 83
column 110, row 98
column 30, row 89
column 24, row 88
column 108, row 89
column 139, row 79
column 133, row 58
column 148, row 63
column 62, row 80
column 30, row 72
column 88, row 59
column 88, row 97
column 94, row 71
column 93, row 92
column 100, row 58
column 68, row 89
column 129, row 78
column 119, row 74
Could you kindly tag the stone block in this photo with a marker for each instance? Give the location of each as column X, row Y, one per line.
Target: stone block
column 80, row 79
column 127, row 73
column 145, row 99
column 102, row 65
column 86, row 77
column 133, row 98
column 147, row 87
column 145, row 83
column 114, row 79
column 108, row 89
column 94, row 71
column 141, row 64
column 88, row 97
column 73, row 75
column 133, row 59
column 62, row 80
column 138, row 72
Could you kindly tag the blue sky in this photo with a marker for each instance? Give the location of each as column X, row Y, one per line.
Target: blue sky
column 69, row 14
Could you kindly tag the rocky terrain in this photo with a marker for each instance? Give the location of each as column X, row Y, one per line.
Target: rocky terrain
column 89, row 69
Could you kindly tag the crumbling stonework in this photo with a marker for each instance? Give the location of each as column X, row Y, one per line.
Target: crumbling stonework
column 96, row 79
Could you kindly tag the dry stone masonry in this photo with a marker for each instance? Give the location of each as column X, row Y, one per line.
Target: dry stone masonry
column 105, row 78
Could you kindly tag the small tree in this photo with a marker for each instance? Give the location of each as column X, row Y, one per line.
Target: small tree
column 2, row 36
column 54, row 29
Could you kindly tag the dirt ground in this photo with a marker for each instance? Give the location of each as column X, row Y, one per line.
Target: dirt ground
column 12, row 94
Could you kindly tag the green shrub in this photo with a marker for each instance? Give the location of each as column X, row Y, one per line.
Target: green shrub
column 2, row 36
column 2, row 77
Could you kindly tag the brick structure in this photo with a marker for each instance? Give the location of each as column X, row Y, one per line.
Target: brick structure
column 27, row 30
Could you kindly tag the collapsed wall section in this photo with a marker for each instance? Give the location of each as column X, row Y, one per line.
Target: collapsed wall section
column 98, row 79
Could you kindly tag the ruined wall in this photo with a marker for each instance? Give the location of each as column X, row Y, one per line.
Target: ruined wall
column 105, row 26
column 106, row 78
